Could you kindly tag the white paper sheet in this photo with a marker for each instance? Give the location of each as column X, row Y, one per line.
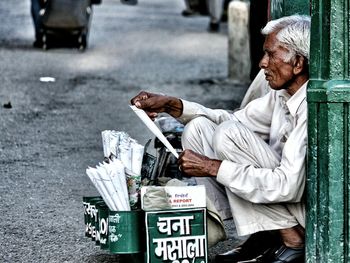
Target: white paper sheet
column 117, row 176
column 154, row 129
column 115, row 195
column 93, row 175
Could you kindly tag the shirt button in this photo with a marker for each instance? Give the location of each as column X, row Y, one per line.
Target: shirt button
column 283, row 139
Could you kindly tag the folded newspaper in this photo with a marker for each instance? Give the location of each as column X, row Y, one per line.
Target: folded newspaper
column 154, row 129
column 118, row 178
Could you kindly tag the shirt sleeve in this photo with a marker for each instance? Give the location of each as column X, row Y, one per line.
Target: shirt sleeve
column 257, row 89
column 257, row 115
column 193, row 110
column 284, row 183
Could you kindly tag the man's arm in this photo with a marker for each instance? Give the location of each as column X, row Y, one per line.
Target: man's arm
column 256, row 116
column 193, row 110
column 183, row 110
column 153, row 104
column 284, row 183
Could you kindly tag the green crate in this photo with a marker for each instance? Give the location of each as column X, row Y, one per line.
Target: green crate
column 177, row 236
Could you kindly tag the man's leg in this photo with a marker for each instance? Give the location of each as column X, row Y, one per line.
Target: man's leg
column 35, row 9
column 215, row 8
column 233, row 141
column 197, row 136
column 188, row 11
column 205, row 137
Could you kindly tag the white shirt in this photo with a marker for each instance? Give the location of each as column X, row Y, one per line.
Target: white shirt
column 281, row 120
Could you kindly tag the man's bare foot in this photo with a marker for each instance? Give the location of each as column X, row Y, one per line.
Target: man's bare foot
column 293, row 237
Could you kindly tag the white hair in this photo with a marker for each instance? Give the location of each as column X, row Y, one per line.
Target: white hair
column 293, row 32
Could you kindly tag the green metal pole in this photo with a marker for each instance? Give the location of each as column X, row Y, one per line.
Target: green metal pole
column 327, row 214
column 279, row 8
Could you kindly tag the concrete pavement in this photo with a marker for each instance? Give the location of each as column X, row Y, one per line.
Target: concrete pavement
column 52, row 132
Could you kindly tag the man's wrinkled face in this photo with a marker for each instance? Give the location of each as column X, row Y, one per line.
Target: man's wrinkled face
column 275, row 62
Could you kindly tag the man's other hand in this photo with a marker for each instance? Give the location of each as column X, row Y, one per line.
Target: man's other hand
column 195, row 164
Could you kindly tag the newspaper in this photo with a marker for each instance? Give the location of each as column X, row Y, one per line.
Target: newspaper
column 154, row 129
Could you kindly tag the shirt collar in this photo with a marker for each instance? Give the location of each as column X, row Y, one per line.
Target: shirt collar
column 297, row 99
column 293, row 102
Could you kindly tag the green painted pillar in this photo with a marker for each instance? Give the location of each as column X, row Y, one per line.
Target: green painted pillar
column 328, row 96
column 279, row 8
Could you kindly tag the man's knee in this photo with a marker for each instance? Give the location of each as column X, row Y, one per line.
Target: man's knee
column 226, row 136
column 195, row 127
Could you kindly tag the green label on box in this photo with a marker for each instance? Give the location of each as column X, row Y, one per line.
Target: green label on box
column 126, row 232
column 177, row 236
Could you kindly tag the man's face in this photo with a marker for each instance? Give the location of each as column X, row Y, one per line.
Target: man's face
column 277, row 72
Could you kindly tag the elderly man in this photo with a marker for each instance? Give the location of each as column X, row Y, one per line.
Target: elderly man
column 252, row 161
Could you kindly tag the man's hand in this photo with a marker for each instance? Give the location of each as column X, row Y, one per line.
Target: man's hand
column 153, row 104
column 195, row 164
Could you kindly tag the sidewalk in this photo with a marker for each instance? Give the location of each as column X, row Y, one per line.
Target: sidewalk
column 52, row 133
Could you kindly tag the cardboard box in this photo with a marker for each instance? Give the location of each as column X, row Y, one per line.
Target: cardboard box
column 177, row 236
column 180, row 196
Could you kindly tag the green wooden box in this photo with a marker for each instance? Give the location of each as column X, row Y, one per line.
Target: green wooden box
column 177, row 236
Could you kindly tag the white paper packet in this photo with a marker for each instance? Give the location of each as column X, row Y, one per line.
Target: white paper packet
column 114, row 172
column 107, row 182
column 136, row 157
column 114, row 144
column 106, row 143
column 124, row 150
column 94, row 177
column 119, row 181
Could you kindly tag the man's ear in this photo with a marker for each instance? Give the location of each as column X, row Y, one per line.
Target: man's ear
column 299, row 64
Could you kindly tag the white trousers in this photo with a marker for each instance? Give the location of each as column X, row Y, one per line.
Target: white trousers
column 215, row 8
column 243, row 146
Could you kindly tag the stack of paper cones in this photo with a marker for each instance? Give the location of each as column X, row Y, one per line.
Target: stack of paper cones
column 118, row 178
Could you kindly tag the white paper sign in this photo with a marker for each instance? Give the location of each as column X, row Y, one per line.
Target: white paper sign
column 154, row 129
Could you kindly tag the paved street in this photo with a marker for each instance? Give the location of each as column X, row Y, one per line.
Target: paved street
column 51, row 131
